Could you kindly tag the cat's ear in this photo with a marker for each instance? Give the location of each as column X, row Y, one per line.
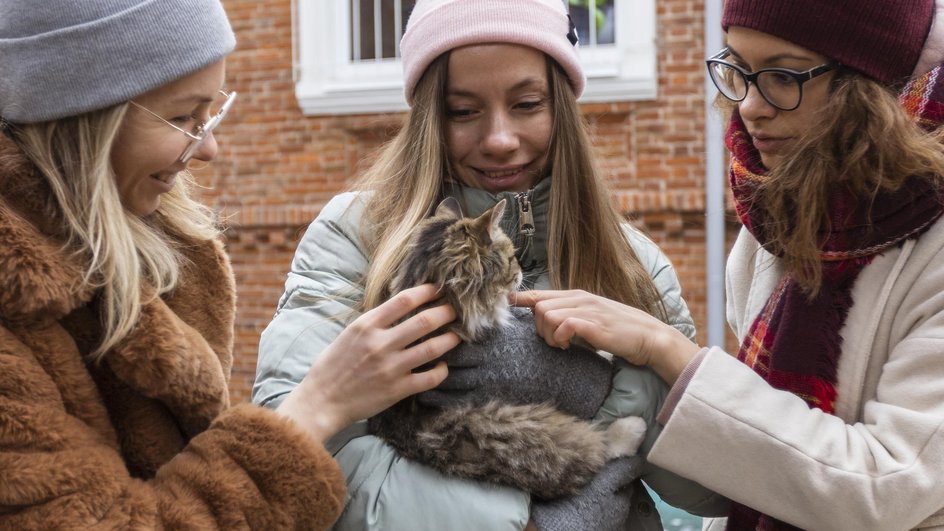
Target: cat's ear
column 497, row 212
column 487, row 223
column 449, row 207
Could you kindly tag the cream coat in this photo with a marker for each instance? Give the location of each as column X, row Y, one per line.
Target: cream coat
column 878, row 464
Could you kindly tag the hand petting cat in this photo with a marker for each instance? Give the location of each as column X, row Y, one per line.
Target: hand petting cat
column 513, row 364
column 624, row 331
column 370, row 365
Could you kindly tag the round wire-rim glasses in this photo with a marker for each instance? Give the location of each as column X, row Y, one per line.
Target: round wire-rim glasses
column 202, row 132
column 788, row 82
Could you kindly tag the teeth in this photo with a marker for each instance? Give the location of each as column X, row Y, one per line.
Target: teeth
column 500, row 174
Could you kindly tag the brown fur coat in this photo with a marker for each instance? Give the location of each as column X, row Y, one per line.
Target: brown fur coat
column 145, row 439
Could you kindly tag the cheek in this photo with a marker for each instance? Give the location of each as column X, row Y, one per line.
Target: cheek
column 814, row 100
column 459, row 141
column 123, row 157
column 540, row 132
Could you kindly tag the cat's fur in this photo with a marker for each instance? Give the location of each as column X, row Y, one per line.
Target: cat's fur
column 534, row 447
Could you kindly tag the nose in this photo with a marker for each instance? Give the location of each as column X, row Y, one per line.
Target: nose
column 500, row 135
column 754, row 106
column 208, row 149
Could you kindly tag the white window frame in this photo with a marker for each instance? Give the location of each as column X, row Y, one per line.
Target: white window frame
column 327, row 82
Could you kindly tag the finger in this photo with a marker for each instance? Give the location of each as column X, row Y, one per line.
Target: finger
column 528, row 299
column 568, row 329
column 548, row 319
column 427, row 351
column 425, row 322
column 401, row 304
column 418, row 382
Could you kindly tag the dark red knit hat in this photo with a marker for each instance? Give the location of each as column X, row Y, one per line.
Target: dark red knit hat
column 880, row 38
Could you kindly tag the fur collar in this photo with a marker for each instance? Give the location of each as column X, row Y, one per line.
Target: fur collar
column 177, row 359
column 39, row 281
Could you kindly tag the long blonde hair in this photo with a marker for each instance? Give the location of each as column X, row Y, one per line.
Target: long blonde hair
column 587, row 248
column 867, row 143
column 129, row 258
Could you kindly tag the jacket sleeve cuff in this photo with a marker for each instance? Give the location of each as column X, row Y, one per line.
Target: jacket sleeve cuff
column 285, row 465
column 678, row 389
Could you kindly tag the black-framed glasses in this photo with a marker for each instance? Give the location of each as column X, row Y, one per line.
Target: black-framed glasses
column 202, row 131
column 780, row 87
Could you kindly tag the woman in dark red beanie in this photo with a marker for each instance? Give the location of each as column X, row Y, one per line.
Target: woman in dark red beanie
column 831, row 413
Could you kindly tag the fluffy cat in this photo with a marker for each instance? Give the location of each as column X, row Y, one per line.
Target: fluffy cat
column 534, row 447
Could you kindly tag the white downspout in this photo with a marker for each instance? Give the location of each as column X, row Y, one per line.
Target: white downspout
column 714, row 188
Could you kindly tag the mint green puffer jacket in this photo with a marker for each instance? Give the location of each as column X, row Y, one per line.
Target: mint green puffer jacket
column 386, row 492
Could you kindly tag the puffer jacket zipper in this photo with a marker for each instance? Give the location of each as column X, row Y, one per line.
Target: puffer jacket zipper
column 525, row 236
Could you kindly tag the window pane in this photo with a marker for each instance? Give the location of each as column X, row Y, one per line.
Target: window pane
column 601, row 32
column 374, row 27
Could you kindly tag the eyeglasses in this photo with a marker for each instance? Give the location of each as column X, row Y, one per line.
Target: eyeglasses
column 780, row 87
column 202, row 131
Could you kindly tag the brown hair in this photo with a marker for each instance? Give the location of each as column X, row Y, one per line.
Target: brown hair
column 587, row 248
column 866, row 145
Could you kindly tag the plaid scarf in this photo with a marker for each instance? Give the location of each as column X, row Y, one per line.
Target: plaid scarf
column 794, row 343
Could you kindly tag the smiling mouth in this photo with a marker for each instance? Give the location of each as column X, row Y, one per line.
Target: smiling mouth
column 502, row 173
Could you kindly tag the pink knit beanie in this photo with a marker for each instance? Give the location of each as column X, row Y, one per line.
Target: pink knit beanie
column 437, row 26
column 880, row 38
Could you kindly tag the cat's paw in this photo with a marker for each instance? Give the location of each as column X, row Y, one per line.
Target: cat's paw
column 624, row 436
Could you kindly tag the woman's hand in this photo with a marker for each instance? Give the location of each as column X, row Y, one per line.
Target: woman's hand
column 514, row 365
column 369, row 366
column 624, row 331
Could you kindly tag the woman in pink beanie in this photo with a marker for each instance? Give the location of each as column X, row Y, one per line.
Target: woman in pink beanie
column 830, row 415
column 493, row 86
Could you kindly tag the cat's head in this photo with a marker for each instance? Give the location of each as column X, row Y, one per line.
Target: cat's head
column 473, row 262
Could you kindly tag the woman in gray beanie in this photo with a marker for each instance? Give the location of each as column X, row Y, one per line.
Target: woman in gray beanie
column 117, row 299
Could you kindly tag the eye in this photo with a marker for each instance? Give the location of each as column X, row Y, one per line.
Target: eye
column 183, row 120
column 460, row 114
column 780, row 78
column 531, row 105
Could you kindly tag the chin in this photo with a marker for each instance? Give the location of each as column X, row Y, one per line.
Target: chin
column 143, row 211
column 771, row 161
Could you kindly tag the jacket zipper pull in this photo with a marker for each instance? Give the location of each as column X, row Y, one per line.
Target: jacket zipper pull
column 525, row 217
column 526, row 231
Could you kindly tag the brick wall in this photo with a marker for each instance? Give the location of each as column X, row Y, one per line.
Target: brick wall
column 277, row 167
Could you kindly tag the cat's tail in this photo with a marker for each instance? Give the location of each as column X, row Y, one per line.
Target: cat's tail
column 533, row 447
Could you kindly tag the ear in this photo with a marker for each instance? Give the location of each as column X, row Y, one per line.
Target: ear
column 487, row 223
column 497, row 212
column 448, row 207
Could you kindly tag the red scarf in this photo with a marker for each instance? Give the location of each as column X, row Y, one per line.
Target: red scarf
column 794, row 343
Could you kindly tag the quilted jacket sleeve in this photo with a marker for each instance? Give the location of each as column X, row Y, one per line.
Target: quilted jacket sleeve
column 638, row 391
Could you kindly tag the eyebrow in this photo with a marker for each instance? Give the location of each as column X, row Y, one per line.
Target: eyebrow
column 195, row 98
column 774, row 58
column 524, row 83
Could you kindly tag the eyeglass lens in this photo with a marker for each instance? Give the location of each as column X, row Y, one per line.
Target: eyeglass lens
column 218, row 109
column 779, row 89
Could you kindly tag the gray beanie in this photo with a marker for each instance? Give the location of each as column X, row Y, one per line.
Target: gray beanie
column 60, row 58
